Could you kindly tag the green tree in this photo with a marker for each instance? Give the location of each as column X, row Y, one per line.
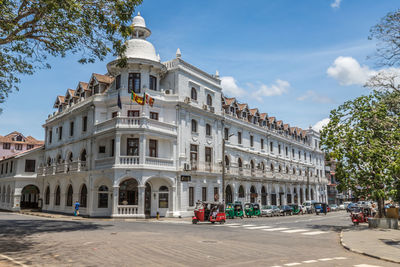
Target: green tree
column 363, row 135
column 31, row 30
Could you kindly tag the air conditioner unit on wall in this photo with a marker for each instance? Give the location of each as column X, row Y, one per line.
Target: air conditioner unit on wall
column 186, row 167
column 187, row 100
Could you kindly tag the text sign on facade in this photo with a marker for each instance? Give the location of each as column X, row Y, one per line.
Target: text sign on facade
column 186, row 178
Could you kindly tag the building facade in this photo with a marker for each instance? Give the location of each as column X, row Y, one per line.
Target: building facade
column 122, row 159
column 15, row 142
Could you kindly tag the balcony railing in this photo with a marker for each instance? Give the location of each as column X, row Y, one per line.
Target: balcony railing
column 65, row 167
column 204, row 167
column 126, row 210
column 129, row 160
column 135, row 122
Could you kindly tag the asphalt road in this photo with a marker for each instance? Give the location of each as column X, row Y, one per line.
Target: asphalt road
column 304, row 240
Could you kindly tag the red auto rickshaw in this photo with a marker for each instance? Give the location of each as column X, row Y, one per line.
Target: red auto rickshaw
column 209, row 212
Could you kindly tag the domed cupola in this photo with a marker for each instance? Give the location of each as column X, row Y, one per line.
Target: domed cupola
column 138, row 46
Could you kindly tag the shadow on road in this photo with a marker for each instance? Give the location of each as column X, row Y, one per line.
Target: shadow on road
column 14, row 234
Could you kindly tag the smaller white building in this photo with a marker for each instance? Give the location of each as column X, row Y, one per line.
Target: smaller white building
column 18, row 184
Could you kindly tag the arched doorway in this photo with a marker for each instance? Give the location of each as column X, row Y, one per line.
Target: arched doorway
column 241, row 192
column 312, row 194
column 29, row 197
column 128, row 192
column 301, row 196
column 295, row 197
column 147, row 200
column 253, row 194
column 273, row 196
column 228, row 194
column 263, row 196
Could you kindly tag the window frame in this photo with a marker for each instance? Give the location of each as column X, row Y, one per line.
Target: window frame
column 153, row 148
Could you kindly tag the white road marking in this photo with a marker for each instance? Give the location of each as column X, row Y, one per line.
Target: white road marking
column 232, row 224
column 275, row 229
column 325, row 259
column 340, row 258
column 314, row 233
column 310, row 261
column 292, row 264
column 258, row 227
column 248, row 225
column 295, row 231
column 13, row 261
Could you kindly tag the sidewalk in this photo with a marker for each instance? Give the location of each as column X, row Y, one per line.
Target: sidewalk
column 382, row 244
column 80, row 218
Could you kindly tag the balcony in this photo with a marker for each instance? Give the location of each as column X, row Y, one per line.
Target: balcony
column 135, row 123
column 66, row 167
column 209, row 167
column 135, row 162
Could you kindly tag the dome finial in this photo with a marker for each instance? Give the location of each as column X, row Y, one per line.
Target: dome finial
column 217, row 74
column 138, row 13
column 178, row 53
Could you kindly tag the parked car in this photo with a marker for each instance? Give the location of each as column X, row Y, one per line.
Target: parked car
column 342, row 207
column 277, row 210
column 309, row 206
column 334, row 207
column 286, row 210
column 303, row 209
column 269, row 211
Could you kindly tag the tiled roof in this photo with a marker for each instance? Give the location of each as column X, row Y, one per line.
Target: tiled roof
column 84, row 85
column 286, row 127
column 271, row 119
column 70, row 92
column 103, row 78
column 229, row 101
column 28, row 140
column 21, row 153
column 253, row 111
column 242, row 106
column 263, row 116
column 279, row 123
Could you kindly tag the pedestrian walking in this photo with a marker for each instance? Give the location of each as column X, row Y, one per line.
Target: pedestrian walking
column 76, row 212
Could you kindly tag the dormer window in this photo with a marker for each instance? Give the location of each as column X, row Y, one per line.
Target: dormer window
column 134, row 82
column 96, row 89
column 193, row 94
column 18, row 138
column 153, row 83
column 232, row 110
column 209, row 100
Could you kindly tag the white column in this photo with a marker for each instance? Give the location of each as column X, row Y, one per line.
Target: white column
column 298, row 194
column 141, row 190
column 117, row 150
column 115, row 200
column 143, row 148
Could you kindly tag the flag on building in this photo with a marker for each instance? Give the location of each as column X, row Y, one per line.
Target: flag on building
column 146, row 99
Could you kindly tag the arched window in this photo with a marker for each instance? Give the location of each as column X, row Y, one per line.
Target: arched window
column 70, row 157
column 47, row 196
column 272, row 167
column 294, row 170
column 194, row 126
column 58, row 196
column 262, row 166
column 59, row 159
column 280, row 168
column 240, row 164
column 128, row 192
column 103, row 197
column 252, row 165
column 226, row 161
column 300, row 172
column 209, row 100
column 241, row 192
column 208, row 129
column 163, row 197
column 83, row 198
column 83, row 155
column 287, row 169
column 193, row 94
column 70, row 192
column 49, row 161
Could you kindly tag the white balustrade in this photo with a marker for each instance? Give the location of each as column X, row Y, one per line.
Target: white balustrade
column 127, row 209
column 159, row 162
column 129, row 160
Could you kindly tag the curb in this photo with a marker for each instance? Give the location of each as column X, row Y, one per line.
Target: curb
column 364, row 253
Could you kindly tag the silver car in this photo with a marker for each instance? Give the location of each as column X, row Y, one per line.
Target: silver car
column 269, row 211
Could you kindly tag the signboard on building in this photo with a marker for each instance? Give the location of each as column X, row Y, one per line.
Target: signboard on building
column 186, row 178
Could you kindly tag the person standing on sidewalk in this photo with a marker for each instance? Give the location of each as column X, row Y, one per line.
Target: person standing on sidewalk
column 76, row 211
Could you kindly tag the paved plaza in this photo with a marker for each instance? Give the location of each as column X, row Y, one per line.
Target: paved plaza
column 307, row 240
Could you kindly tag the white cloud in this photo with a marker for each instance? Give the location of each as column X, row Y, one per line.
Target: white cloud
column 318, row 126
column 347, row 71
column 336, row 4
column 314, row 97
column 278, row 88
column 230, row 87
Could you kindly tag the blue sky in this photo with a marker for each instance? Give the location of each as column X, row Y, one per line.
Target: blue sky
column 271, row 54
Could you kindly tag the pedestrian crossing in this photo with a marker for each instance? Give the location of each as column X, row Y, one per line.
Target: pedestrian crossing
column 323, row 260
column 271, row 228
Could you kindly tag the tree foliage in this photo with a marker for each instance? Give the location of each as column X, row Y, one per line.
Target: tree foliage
column 363, row 135
column 31, row 30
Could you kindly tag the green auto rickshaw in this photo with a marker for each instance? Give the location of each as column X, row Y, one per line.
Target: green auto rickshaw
column 256, row 209
column 296, row 209
column 230, row 211
column 249, row 209
column 238, row 209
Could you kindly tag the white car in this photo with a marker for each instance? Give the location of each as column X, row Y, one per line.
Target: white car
column 303, row 209
column 342, row 207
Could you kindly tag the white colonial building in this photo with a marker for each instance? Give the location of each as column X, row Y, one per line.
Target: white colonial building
column 139, row 160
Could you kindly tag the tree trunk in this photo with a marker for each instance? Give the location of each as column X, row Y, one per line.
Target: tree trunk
column 381, row 208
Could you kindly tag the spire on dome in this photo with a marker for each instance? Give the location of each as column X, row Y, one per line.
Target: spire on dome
column 139, row 27
column 178, row 53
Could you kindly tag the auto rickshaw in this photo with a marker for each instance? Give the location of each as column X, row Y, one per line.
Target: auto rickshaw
column 249, row 209
column 256, row 209
column 238, row 209
column 296, row 209
column 320, row 208
column 230, row 211
column 209, row 212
